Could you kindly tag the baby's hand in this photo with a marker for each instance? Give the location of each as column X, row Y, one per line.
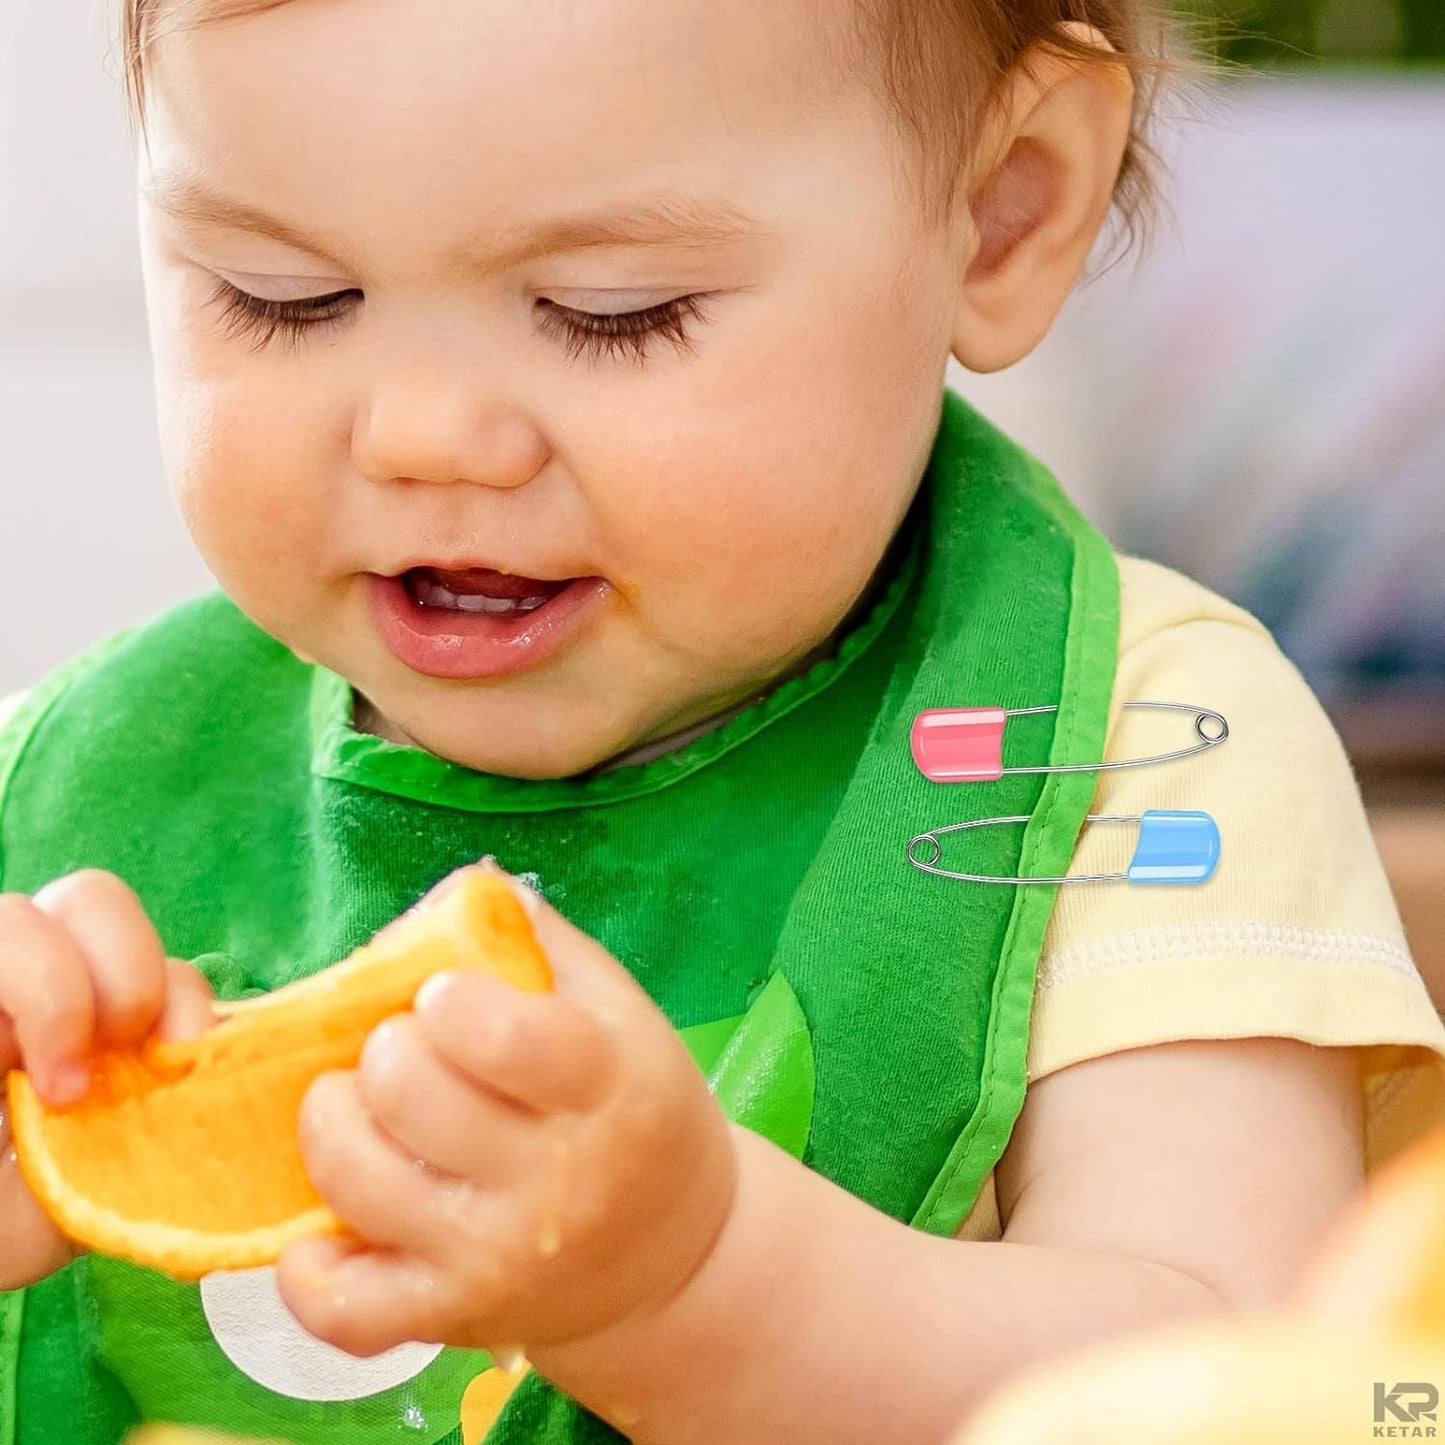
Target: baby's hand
column 81, row 969
column 522, row 1169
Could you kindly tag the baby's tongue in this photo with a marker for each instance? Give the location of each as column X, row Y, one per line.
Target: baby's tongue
column 484, row 582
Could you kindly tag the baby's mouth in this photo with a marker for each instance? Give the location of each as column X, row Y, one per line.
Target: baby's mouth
column 479, row 590
column 471, row 623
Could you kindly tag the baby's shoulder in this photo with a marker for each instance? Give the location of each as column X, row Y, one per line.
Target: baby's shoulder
column 177, row 690
column 150, row 747
column 1177, row 637
column 10, row 708
column 1155, row 599
column 200, row 642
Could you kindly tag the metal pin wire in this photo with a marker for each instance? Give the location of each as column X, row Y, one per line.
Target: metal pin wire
column 932, row 837
column 1203, row 745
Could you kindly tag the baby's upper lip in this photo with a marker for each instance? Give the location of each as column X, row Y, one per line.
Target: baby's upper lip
column 480, row 564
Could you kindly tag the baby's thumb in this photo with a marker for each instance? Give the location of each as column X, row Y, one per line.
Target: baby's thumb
column 580, row 964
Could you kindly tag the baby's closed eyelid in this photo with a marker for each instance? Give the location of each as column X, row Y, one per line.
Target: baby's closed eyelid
column 293, row 288
column 612, row 302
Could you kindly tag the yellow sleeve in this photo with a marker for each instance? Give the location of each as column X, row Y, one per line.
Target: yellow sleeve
column 1296, row 935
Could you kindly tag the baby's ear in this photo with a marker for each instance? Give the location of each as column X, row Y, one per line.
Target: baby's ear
column 1046, row 163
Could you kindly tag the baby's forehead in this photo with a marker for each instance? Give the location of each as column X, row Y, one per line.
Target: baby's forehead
column 788, row 47
column 440, row 105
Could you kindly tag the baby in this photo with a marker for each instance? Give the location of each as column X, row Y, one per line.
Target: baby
column 556, row 392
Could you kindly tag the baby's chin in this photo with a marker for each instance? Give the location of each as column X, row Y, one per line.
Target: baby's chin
column 503, row 749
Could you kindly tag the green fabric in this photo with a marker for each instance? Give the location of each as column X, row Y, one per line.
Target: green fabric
column 757, row 874
column 12, row 1308
column 63, row 1391
column 765, row 1077
column 154, row 1337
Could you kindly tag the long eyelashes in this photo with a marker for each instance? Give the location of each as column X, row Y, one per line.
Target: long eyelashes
column 625, row 335
column 259, row 320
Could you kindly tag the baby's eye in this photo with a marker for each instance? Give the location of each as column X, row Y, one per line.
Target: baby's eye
column 262, row 319
column 624, row 333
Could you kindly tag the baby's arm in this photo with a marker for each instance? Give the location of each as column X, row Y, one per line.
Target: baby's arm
column 1180, row 1178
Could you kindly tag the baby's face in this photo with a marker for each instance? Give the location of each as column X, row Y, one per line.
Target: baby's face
column 721, row 501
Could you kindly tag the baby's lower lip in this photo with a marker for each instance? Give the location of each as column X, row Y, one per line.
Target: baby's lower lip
column 461, row 635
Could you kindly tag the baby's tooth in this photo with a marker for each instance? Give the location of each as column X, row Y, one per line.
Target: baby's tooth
column 432, row 594
column 485, row 604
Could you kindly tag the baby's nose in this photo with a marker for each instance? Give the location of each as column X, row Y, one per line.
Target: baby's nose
column 441, row 431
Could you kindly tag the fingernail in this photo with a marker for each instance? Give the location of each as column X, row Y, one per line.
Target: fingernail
column 67, row 1083
column 431, row 990
column 509, row 1359
column 379, row 1038
column 527, row 896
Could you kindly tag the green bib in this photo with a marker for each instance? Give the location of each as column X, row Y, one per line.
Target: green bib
column 869, row 1017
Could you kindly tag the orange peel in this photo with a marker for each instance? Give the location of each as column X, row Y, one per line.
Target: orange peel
column 184, row 1156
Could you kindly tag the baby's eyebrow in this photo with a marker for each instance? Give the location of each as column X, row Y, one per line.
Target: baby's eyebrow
column 672, row 218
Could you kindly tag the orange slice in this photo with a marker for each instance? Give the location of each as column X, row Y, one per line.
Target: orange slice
column 184, row 1156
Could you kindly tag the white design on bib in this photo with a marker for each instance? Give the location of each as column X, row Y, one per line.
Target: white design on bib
column 263, row 1339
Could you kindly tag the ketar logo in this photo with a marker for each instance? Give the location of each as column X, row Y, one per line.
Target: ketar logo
column 1408, row 1404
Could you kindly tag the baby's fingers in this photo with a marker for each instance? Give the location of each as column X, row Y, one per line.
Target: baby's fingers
column 361, row 1300
column 543, row 1050
column 34, row 1247
column 122, row 950
column 190, row 1004
column 45, row 991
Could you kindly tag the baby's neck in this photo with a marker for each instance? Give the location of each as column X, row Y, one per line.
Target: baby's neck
column 659, row 747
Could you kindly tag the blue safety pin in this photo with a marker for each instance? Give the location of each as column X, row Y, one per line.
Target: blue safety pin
column 1173, row 847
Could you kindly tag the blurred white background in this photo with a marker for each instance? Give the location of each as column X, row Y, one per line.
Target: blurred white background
column 88, row 538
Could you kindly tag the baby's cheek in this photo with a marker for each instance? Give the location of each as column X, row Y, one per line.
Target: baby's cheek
column 801, row 564
column 755, row 614
column 739, row 552
column 249, row 495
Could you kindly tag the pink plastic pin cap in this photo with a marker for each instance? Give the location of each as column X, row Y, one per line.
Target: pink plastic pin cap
column 959, row 744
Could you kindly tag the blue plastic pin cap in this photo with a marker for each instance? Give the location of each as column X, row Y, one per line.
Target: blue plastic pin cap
column 1175, row 848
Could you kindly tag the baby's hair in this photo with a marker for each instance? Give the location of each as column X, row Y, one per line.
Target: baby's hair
column 937, row 61
column 940, row 61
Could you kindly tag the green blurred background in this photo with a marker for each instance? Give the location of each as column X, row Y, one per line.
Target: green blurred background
column 1303, row 32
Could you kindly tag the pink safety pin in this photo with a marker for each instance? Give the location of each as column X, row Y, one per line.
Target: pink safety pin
column 965, row 744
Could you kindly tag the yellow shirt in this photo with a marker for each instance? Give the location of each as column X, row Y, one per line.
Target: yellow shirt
column 1296, row 935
